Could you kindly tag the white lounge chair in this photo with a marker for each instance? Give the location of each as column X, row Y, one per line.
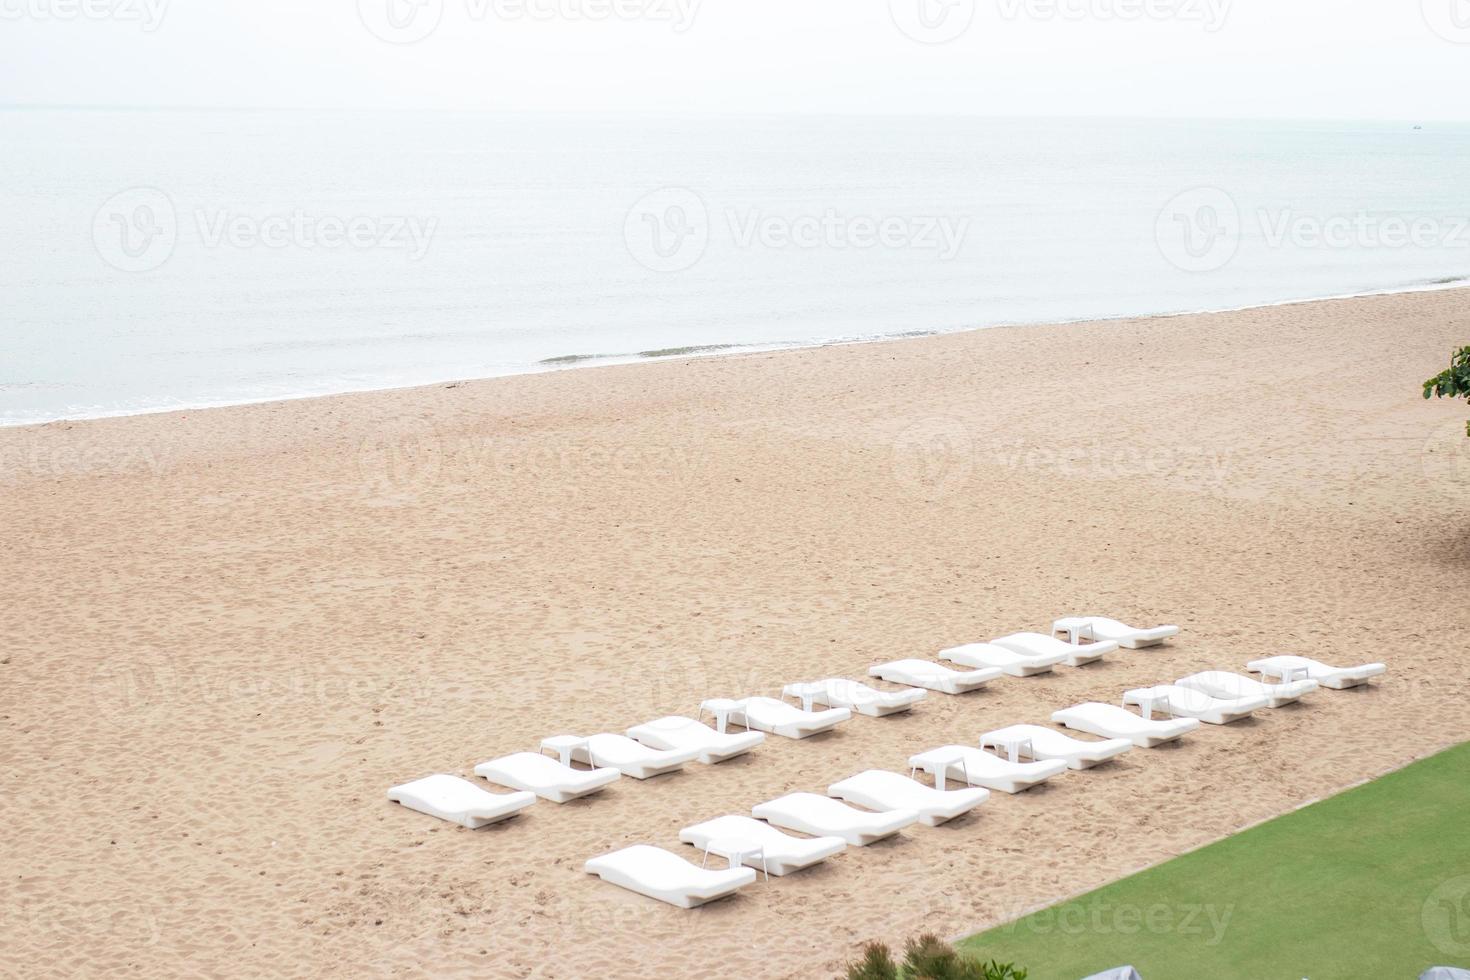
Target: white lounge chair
column 889, row 792
column 988, row 656
column 1037, row 645
column 656, row 873
column 1119, row 973
column 839, row 693
column 619, row 752
column 1295, row 668
column 776, row 717
column 1111, row 721
column 1184, row 702
column 547, row 778
column 979, row 768
column 1102, row 629
column 1046, row 745
column 808, row 813
column 459, row 801
column 1221, row 684
column 677, row 734
column 780, row 854
column 933, row 677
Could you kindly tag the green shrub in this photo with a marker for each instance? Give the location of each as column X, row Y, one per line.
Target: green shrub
column 876, row 964
column 927, row 958
column 1454, row 383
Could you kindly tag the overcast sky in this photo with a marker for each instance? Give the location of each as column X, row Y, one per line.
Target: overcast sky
column 1390, row 59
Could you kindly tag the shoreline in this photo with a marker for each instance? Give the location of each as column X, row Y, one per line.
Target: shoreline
column 579, row 362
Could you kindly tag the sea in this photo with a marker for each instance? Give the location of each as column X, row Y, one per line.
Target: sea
column 161, row 259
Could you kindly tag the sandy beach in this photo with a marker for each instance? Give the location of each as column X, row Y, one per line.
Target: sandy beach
column 227, row 633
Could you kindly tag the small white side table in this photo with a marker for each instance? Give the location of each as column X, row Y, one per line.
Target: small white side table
column 736, row 850
column 1146, row 707
column 944, row 763
column 1013, row 747
column 1076, row 634
column 722, row 709
column 565, row 745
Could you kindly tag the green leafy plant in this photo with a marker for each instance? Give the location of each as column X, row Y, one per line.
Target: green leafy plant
column 1454, row 383
column 927, row 958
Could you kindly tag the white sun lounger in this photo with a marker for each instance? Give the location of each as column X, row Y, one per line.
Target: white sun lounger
column 979, row 768
column 621, row 753
column 1221, row 684
column 988, row 656
column 780, row 854
column 677, row 734
column 547, row 778
column 1184, row 702
column 778, row 717
column 1111, row 721
column 889, row 792
column 1102, row 629
column 808, row 813
column 656, row 873
column 1037, row 645
column 1046, row 745
column 459, row 801
column 1119, row 973
column 1295, row 668
column 840, row 693
column 934, row 677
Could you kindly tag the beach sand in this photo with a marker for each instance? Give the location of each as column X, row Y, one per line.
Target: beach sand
column 226, row 633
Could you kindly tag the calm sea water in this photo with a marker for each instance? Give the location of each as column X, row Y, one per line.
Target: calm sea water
column 159, row 259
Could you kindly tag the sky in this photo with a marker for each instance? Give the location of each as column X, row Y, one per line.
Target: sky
column 1369, row 59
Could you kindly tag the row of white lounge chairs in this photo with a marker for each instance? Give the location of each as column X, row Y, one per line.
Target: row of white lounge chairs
column 1025, row 756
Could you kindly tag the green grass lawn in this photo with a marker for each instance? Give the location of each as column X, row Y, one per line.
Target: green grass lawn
column 1373, row 884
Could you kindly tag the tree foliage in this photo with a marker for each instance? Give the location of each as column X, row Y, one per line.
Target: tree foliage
column 927, row 958
column 1454, row 383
